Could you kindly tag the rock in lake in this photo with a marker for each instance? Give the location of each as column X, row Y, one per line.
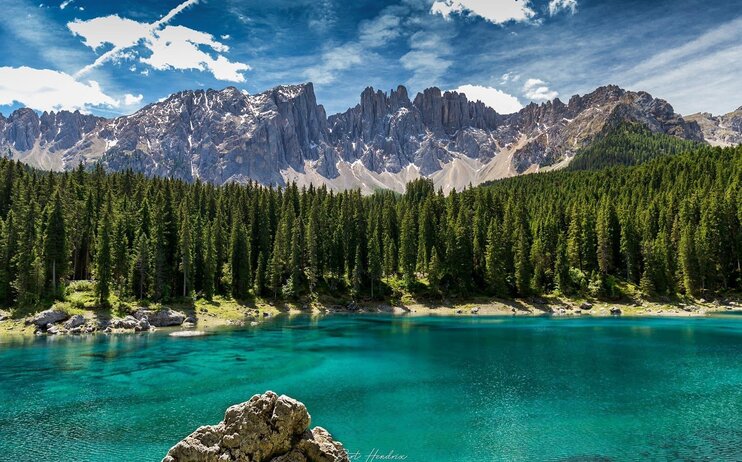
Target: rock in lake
column 49, row 316
column 268, row 428
column 615, row 311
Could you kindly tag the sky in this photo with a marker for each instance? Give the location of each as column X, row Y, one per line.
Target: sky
column 112, row 58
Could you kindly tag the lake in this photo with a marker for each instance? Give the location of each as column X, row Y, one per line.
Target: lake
column 422, row 388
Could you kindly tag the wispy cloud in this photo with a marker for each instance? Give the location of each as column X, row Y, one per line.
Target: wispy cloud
column 556, row 6
column 696, row 75
column 372, row 34
column 171, row 47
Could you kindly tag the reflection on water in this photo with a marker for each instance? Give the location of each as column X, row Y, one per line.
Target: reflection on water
column 465, row 389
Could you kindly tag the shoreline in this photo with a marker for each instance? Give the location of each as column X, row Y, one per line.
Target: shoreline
column 222, row 313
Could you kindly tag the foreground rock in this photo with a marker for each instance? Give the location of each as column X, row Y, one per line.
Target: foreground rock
column 266, row 428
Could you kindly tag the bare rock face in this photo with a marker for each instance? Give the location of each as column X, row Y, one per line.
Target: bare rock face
column 268, row 427
column 387, row 139
column 724, row 130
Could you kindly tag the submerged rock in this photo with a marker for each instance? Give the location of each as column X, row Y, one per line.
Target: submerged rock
column 267, row 428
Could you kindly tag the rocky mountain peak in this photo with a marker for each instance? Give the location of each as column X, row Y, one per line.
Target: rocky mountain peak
column 283, row 134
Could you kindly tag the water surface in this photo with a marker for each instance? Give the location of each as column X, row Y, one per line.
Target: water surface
column 430, row 389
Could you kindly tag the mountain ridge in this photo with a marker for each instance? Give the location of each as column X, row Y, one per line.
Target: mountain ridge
column 283, row 135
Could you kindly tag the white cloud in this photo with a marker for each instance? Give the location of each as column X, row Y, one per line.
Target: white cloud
column 538, row 90
column 555, row 6
column 170, row 47
column 131, row 100
column 427, row 58
column 509, row 77
column 225, row 37
column 492, row 97
column 64, row 4
column 701, row 74
column 49, row 90
column 115, row 30
column 334, row 60
column 380, row 30
column 494, row 11
column 178, row 47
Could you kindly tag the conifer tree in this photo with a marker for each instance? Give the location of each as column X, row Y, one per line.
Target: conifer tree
column 523, row 270
column 55, row 246
column 240, row 262
column 209, row 271
column 185, row 250
column 407, row 247
column 494, row 261
column 374, row 260
column 140, row 276
column 103, row 267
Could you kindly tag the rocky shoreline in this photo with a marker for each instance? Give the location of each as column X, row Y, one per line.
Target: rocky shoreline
column 55, row 321
column 267, row 428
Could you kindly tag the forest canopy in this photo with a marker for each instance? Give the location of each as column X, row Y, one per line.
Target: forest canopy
column 670, row 226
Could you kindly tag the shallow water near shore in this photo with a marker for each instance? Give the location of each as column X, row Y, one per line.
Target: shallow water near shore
column 422, row 388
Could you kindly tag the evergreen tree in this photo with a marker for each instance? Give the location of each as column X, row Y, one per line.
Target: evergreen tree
column 240, row 262
column 494, row 261
column 140, row 275
column 103, row 267
column 407, row 247
column 55, row 246
column 185, row 250
column 209, row 272
column 523, row 270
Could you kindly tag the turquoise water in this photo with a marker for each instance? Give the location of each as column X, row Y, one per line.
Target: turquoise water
column 430, row 389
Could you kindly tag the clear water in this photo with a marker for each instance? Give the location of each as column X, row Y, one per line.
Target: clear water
column 430, row 389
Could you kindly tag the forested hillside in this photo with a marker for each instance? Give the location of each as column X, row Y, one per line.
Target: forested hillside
column 670, row 225
column 628, row 144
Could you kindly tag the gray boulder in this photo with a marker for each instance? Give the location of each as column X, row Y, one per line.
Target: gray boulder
column 266, row 428
column 75, row 321
column 162, row 318
column 49, row 316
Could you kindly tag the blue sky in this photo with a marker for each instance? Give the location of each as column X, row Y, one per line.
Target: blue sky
column 111, row 58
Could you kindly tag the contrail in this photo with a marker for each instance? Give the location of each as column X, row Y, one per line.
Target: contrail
column 110, row 54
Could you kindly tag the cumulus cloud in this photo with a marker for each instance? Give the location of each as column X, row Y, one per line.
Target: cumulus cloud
column 178, row 47
column 538, row 90
column 555, row 6
column 169, row 47
column 494, row 11
column 49, row 90
column 131, row 100
column 492, row 97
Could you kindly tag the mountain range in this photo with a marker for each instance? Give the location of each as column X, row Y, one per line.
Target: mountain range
column 386, row 140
